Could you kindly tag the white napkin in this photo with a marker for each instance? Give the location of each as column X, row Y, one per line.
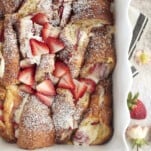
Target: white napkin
column 139, row 23
column 141, row 74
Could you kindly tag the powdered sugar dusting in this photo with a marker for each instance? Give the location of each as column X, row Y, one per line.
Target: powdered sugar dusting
column 47, row 62
column 36, row 116
column 63, row 110
column 10, row 43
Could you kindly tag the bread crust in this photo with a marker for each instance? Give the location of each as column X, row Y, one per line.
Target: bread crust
column 10, row 53
column 98, row 119
column 10, row 6
column 100, row 54
column 67, row 113
column 36, row 128
column 96, row 10
column 11, row 102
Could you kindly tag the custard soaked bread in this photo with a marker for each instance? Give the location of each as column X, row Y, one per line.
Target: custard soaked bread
column 56, row 64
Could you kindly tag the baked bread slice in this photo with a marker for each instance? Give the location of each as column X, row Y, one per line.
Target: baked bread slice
column 98, row 119
column 63, row 110
column 67, row 114
column 36, row 127
column 10, row 53
column 2, row 93
column 92, row 11
column 10, row 103
column 76, row 39
column 45, row 68
column 61, row 12
column 100, row 56
column 11, row 6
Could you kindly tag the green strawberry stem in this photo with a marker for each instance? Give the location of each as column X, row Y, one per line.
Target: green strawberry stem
column 132, row 100
column 138, row 143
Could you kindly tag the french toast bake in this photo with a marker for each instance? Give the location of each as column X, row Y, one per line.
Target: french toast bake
column 56, row 64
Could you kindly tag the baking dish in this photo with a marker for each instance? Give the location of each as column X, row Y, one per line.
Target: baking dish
column 121, row 85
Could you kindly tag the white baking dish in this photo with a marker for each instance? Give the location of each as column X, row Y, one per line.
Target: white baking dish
column 121, row 85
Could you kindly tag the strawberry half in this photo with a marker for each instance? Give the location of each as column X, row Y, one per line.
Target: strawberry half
column 49, row 30
column 27, row 75
column 47, row 100
column 26, row 88
column 60, row 69
column 40, row 19
column 66, row 81
column 79, row 90
column 1, row 105
column 46, row 87
column 1, row 118
column 55, row 45
column 91, row 85
column 45, row 32
column 136, row 107
column 38, row 48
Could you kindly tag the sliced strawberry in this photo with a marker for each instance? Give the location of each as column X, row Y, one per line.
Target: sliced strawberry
column 46, row 87
column 1, row 118
column 45, row 33
column 49, row 30
column 26, row 63
column 40, row 19
column 79, row 90
column 26, row 88
column 91, row 85
column 1, row 105
column 47, row 100
column 60, row 69
column 26, row 76
column 66, row 81
column 15, row 125
column 38, row 48
column 55, row 45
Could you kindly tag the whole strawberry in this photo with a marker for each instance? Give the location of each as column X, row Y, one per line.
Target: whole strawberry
column 136, row 107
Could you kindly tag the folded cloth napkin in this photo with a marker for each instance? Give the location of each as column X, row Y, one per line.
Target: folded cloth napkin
column 139, row 23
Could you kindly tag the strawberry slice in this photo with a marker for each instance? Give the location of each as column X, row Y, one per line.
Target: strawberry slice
column 49, row 30
column 1, row 105
column 26, row 76
column 55, row 45
column 38, row 48
column 91, row 85
column 60, row 69
column 26, row 88
column 46, row 87
column 1, row 118
column 79, row 90
column 66, row 81
column 40, row 19
column 47, row 100
column 15, row 125
column 46, row 30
